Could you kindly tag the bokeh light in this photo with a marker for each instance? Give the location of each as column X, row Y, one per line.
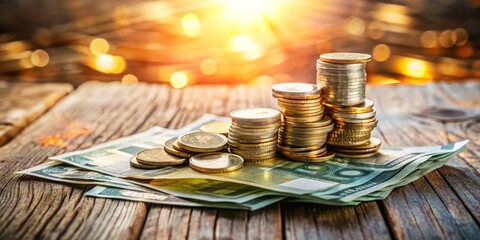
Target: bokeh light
column 191, row 24
column 356, row 26
column 107, row 63
column 381, row 53
column 179, row 79
column 129, row 79
column 208, row 66
column 99, row 46
column 39, row 58
column 428, row 39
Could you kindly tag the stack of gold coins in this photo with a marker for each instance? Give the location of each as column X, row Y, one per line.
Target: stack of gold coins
column 304, row 127
column 253, row 133
column 342, row 78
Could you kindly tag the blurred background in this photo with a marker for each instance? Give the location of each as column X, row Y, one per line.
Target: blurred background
column 186, row 42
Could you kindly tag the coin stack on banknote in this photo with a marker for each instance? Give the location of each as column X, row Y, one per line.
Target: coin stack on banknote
column 342, row 78
column 176, row 150
column 253, row 133
column 304, row 129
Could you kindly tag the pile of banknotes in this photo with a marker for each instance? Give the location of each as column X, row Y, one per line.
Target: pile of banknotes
column 339, row 181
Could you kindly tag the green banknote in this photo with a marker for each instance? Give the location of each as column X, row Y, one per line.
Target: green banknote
column 339, row 178
column 198, row 189
column 161, row 198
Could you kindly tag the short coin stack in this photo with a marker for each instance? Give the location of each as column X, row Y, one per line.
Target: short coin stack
column 304, row 128
column 342, row 78
column 253, row 133
column 176, row 150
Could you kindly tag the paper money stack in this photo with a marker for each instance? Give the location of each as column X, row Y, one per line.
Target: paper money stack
column 342, row 78
column 304, row 129
column 253, row 133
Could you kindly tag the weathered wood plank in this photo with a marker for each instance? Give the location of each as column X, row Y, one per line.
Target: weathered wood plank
column 31, row 208
column 428, row 207
column 208, row 223
column 22, row 103
column 444, row 204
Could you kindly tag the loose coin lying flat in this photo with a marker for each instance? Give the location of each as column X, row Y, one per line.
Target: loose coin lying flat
column 216, row 127
column 158, row 157
column 136, row 164
column 202, row 142
column 169, row 148
column 345, row 57
column 216, row 162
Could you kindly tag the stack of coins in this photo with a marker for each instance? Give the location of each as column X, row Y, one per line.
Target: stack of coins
column 176, row 150
column 304, row 128
column 342, row 78
column 253, row 133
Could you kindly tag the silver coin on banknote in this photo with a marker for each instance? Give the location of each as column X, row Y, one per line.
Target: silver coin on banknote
column 199, row 142
column 216, row 162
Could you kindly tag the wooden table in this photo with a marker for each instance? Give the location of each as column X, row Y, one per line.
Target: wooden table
column 444, row 204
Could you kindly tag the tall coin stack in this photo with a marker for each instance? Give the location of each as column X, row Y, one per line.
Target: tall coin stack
column 253, row 133
column 342, row 78
column 304, row 129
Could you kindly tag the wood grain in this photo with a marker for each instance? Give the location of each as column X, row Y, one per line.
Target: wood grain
column 427, row 207
column 22, row 103
column 444, row 204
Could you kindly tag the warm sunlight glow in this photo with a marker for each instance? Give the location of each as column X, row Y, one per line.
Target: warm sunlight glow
column 99, row 46
column 416, row 68
column 179, row 80
column 249, row 8
column 208, row 66
column 107, row 63
column 191, row 24
column 244, row 43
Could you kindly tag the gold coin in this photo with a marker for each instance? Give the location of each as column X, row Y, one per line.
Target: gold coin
column 247, row 155
column 345, row 143
column 297, row 149
column 216, row 127
column 345, row 57
column 355, row 151
column 254, row 127
column 134, row 163
column 216, row 162
column 327, row 156
column 342, row 116
column 301, row 101
column 255, row 115
column 237, row 133
column 294, row 90
column 303, row 119
column 234, row 143
column 158, row 157
column 372, row 143
column 316, row 152
column 246, row 140
column 251, row 150
column 170, row 148
column 361, row 108
column 366, row 155
column 202, row 142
